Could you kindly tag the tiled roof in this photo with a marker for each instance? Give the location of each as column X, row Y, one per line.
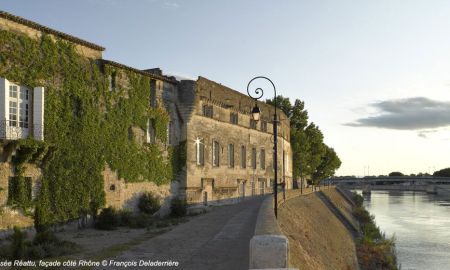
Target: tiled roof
column 142, row 72
column 48, row 30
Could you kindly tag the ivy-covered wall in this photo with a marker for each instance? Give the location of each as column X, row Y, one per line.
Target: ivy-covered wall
column 86, row 125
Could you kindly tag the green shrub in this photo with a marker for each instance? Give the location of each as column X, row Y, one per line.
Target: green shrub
column 125, row 217
column 362, row 215
column 178, row 207
column 141, row 220
column 18, row 243
column 148, row 203
column 358, row 199
column 44, row 245
column 107, row 220
column 36, row 252
column 45, row 237
column 5, row 252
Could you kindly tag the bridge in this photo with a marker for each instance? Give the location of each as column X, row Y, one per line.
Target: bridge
column 430, row 184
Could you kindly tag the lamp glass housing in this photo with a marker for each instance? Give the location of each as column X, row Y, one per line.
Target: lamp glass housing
column 256, row 113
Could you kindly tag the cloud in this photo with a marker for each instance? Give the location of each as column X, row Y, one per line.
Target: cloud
column 417, row 113
column 426, row 133
column 442, row 134
column 170, row 4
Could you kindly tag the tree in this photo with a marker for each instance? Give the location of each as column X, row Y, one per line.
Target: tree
column 283, row 104
column 442, row 173
column 311, row 157
column 299, row 116
column 396, row 174
column 316, row 150
column 328, row 165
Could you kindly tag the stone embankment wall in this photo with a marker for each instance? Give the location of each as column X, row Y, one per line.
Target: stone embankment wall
column 317, row 238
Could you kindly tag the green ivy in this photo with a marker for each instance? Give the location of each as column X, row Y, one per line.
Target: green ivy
column 86, row 125
column 19, row 187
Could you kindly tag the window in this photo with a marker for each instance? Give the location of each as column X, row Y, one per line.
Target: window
column 152, row 93
column 231, row 155
column 112, row 81
column 151, row 134
column 264, row 126
column 13, row 91
column 262, row 159
column 13, row 113
column 234, row 118
column 200, row 152
column 252, row 124
column 216, row 154
column 208, row 111
column 254, row 158
column 243, row 157
column 18, row 106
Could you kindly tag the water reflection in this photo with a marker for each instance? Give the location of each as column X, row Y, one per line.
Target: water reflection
column 420, row 222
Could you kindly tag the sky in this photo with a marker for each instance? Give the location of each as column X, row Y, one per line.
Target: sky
column 374, row 75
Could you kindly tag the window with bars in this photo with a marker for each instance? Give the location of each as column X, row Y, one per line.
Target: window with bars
column 216, row 154
column 231, row 155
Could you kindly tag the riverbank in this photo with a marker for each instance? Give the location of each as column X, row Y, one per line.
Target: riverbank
column 331, row 230
column 317, row 238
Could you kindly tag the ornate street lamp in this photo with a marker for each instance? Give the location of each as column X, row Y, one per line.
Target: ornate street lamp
column 256, row 114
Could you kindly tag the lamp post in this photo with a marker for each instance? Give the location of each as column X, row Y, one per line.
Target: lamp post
column 256, row 114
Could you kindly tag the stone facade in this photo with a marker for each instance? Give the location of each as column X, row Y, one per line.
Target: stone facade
column 202, row 112
column 231, row 178
column 122, row 195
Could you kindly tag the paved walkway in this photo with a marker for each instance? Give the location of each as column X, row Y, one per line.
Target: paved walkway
column 216, row 240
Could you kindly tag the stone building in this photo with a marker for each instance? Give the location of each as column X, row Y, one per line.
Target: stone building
column 22, row 115
column 228, row 155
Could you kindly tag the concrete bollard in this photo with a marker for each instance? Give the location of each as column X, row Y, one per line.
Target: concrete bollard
column 269, row 251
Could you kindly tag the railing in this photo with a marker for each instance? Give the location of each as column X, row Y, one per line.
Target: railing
column 10, row 131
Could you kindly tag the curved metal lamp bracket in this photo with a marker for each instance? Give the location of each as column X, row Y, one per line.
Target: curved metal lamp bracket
column 259, row 91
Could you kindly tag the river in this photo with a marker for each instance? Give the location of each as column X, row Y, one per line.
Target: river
column 420, row 223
